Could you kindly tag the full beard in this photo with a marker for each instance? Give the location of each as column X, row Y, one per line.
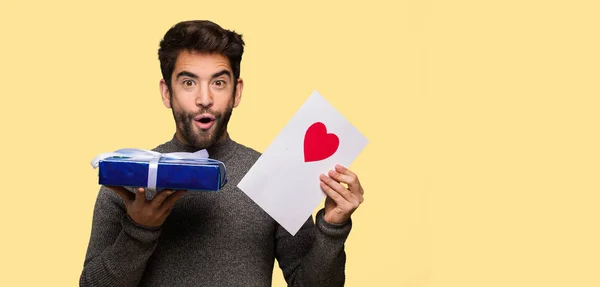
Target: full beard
column 198, row 138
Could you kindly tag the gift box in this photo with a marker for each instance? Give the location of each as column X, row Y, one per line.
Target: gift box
column 155, row 171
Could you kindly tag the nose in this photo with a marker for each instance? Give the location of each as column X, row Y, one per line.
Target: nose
column 204, row 97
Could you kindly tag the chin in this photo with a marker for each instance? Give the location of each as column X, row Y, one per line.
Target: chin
column 203, row 142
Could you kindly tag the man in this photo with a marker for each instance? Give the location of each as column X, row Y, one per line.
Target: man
column 212, row 238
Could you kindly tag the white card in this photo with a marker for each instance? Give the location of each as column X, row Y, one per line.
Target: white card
column 285, row 180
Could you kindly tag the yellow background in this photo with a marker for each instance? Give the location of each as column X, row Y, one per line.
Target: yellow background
column 482, row 167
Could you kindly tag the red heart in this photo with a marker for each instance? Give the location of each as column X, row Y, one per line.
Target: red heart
column 318, row 144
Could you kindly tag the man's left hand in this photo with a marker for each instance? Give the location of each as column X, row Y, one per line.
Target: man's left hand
column 341, row 201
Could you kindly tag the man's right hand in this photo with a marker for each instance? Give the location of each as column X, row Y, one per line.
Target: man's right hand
column 150, row 213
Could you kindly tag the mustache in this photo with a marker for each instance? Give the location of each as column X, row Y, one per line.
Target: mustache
column 204, row 111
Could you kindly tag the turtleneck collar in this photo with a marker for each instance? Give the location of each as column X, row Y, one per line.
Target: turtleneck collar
column 222, row 150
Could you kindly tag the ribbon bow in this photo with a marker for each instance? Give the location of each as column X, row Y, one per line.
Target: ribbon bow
column 153, row 158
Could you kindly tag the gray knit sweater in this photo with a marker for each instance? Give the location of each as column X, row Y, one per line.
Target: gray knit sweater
column 211, row 239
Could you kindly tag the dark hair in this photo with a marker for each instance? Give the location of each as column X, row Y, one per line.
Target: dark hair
column 199, row 36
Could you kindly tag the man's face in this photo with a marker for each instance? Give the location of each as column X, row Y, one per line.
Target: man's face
column 202, row 97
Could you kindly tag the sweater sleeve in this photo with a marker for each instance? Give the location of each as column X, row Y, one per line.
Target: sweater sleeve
column 118, row 249
column 315, row 256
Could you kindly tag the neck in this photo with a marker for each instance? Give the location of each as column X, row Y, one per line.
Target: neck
column 220, row 146
column 221, row 149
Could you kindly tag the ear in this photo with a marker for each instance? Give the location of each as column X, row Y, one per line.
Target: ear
column 238, row 92
column 164, row 92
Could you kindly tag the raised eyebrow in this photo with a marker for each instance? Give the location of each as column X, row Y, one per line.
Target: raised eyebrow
column 186, row 74
column 221, row 73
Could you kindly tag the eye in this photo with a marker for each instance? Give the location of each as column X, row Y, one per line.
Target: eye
column 188, row 83
column 220, row 83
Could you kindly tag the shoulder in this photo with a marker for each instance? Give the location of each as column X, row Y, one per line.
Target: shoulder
column 163, row 148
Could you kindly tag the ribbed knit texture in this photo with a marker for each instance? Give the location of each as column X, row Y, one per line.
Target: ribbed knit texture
column 211, row 239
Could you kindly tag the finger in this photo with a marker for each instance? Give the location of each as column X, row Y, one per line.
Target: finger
column 169, row 203
column 123, row 193
column 340, row 177
column 350, row 178
column 360, row 198
column 140, row 195
column 342, row 204
column 335, row 196
column 160, row 198
column 337, row 187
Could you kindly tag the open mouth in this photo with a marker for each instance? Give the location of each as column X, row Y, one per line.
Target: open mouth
column 204, row 121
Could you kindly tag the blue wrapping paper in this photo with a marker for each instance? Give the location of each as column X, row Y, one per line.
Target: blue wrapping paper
column 169, row 173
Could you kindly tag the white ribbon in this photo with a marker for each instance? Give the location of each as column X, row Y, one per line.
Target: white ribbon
column 132, row 154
